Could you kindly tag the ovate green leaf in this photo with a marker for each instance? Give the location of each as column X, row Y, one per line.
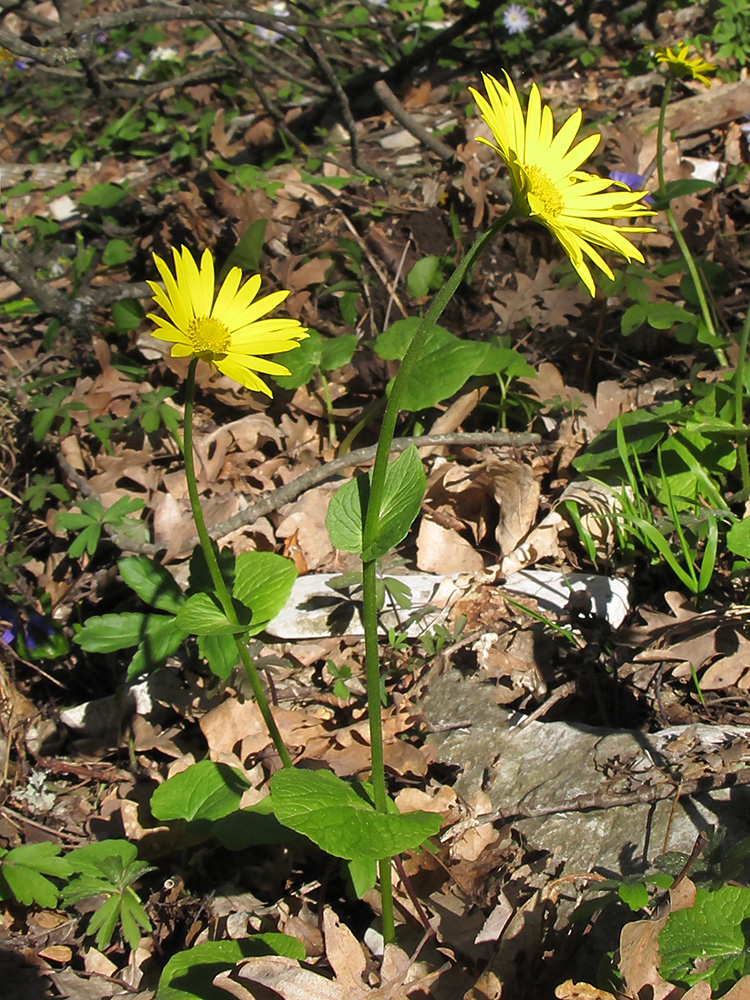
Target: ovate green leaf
column 340, row 818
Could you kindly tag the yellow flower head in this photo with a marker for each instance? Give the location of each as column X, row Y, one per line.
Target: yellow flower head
column 547, row 183
column 225, row 329
column 680, row 65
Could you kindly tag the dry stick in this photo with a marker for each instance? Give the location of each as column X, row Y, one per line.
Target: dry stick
column 261, row 92
column 285, row 494
column 402, row 116
column 600, row 800
column 358, row 163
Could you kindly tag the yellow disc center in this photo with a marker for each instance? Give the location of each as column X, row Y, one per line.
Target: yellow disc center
column 543, row 197
column 208, row 335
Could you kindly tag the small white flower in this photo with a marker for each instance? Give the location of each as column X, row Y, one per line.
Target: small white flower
column 163, row 53
column 516, row 19
column 278, row 9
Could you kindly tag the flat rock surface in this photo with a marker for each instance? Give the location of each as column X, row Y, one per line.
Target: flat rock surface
column 560, row 782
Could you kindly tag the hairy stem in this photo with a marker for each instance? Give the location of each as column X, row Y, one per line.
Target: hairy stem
column 369, row 534
column 677, row 232
column 222, row 592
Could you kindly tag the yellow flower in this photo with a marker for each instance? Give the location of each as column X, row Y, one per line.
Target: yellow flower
column 224, row 329
column 680, row 65
column 548, row 185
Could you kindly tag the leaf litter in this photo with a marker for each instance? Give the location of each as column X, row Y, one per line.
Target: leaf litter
column 487, row 897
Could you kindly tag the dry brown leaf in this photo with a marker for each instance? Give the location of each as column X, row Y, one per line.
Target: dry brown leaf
column 740, row 990
column 305, row 520
column 639, row 949
column 442, row 550
column 580, row 991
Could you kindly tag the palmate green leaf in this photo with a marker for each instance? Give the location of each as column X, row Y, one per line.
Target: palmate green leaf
column 23, row 873
column 262, row 582
column 405, row 483
column 133, row 918
column 189, row 975
column 154, row 584
column 340, row 818
column 103, row 922
column 713, row 930
column 203, row 791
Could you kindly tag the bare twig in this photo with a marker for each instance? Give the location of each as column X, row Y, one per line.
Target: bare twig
column 290, row 491
column 402, row 116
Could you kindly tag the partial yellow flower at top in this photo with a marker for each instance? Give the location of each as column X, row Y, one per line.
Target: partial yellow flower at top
column 549, row 186
column 680, row 65
column 224, row 329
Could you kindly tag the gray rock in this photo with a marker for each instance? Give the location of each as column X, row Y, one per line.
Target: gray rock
column 544, row 767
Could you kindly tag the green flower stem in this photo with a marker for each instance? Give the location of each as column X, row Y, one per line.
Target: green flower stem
column 369, row 533
column 739, row 401
column 677, row 232
column 222, row 592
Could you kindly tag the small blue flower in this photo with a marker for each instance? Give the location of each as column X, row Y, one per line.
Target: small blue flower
column 635, row 182
column 122, row 56
column 31, row 630
column 22, row 64
column 516, row 19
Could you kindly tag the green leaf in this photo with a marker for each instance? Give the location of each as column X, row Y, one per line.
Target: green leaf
column 262, row 582
column 23, row 871
column 444, row 366
column 189, row 975
column 393, row 343
column 154, row 584
column 738, row 538
column 633, row 894
column 419, row 279
column 127, row 315
column 363, row 875
column 677, row 189
column 201, row 614
column 340, row 818
column 87, row 860
column 117, row 252
column 108, row 633
column 712, row 930
column 247, row 251
column 301, row 362
column 104, row 921
column 220, row 653
column 161, row 640
column 337, row 351
column 504, row 362
column 252, row 826
column 405, row 483
column 663, row 315
column 632, row 319
column 103, row 195
column 203, row 791
column 441, row 373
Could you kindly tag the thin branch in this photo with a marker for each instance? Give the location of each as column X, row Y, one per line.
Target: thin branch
column 409, row 122
column 290, row 491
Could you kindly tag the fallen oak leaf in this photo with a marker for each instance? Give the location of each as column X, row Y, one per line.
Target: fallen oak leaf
column 291, row 981
column 347, row 958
